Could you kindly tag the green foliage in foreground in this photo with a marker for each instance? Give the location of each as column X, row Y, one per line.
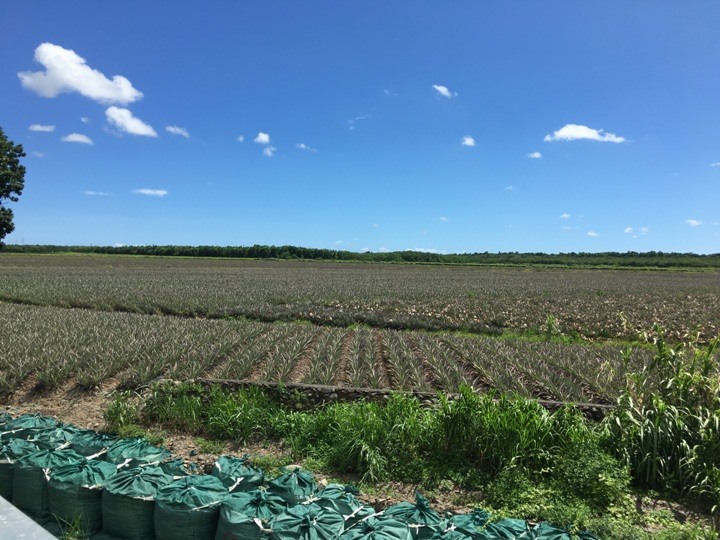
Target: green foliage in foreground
column 527, row 461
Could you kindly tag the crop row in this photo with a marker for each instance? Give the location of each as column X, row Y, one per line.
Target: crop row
column 47, row 347
column 588, row 303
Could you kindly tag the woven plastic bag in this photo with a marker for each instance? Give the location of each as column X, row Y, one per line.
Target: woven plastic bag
column 189, row 508
column 378, row 528
column 10, row 452
column 75, row 492
column 423, row 521
column 295, row 485
column 307, row 522
column 128, row 502
column 30, row 478
column 238, row 474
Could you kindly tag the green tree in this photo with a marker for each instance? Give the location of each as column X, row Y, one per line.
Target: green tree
column 12, row 181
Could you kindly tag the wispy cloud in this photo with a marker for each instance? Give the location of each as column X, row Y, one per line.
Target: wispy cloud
column 693, row 222
column 262, row 138
column 177, row 130
column 426, row 250
column 84, row 119
column 269, row 151
column 637, row 233
column 305, row 147
column 443, row 219
column 534, row 155
column 592, row 234
column 125, row 122
column 96, row 193
column 351, row 123
column 574, row 132
column 241, row 138
column 66, row 71
column 151, row 192
column 510, row 188
column 38, row 154
column 564, row 215
column 77, row 138
column 468, row 141
column 444, row 91
column 628, row 230
column 715, row 164
column 42, row 127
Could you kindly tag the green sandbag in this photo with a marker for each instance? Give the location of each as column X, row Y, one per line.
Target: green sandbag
column 75, row 492
column 307, row 522
column 174, row 467
column 11, row 451
column 423, row 521
column 342, row 500
column 469, row 525
column 135, row 451
column 189, row 508
column 545, row 531
column 57, row 437
column 128, row 502
column 233, row 525
column 238, row 474
column 256, row 504
column 30, row 478
column 294, row 486
column 507, row 529
column 378, row 528
column 4, row 419
column 89, row 443
column 27, row 425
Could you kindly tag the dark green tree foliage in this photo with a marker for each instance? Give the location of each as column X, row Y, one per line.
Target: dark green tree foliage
column 12, row 181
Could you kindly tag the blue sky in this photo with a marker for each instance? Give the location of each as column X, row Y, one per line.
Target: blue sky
column 444, row 126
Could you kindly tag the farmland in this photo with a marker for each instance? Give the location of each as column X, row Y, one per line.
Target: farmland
column 540, row 333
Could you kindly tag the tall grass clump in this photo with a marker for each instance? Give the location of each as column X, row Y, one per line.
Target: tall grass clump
column 667, row 424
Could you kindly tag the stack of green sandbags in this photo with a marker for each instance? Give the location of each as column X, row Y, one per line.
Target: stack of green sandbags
column 128, row 502
column 378, row 527
column 10, row 452
column 75, row 492
column 295, row 485
column 466, row 525
column 189, row 508
column 30, row 479
column 246, row 515
column 307, row 522
column 423, row 521
column 238, row 474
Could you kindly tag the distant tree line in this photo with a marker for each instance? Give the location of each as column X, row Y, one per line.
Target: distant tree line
column 653, row 259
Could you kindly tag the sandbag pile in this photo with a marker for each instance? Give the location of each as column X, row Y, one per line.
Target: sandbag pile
column 129, row 489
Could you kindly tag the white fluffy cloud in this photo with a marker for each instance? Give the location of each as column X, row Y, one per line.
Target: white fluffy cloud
column 694, row 222
column 175, row 130
column 468, row 141
column 41, row 127
column 124, row 121
column 534, row 155
column 151, row 192
column 628, row 230
column 66, row 71
column 574, row 132
column 444, row 91
column 593, row 234
column 305, row 147
column 262, row 138
column 241, row 138
column 78, row 138
column 269, row 151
